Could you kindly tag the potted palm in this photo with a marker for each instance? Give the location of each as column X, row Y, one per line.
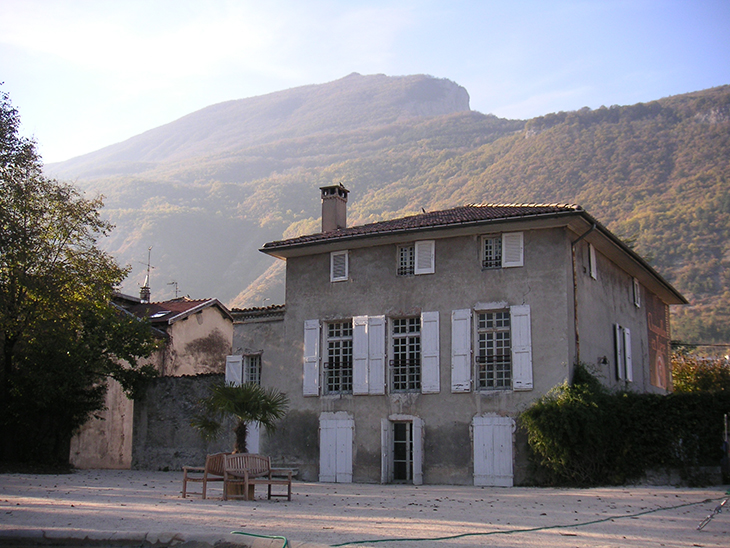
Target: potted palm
column 246, row 403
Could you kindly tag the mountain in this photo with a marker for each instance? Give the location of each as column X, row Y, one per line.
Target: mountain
column 206, row 191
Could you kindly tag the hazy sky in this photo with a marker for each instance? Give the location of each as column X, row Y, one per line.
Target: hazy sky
column 88, row 73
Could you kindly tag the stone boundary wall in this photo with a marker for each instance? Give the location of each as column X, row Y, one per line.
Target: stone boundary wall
column 163, row 438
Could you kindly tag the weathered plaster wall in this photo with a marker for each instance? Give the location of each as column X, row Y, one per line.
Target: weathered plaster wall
column 163, row 436
column 199, row 344
column 105, row 441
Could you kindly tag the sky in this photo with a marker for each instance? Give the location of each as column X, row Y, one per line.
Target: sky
column 85, row 74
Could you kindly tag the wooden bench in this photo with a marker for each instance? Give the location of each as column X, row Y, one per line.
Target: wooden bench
column 212, row 471
column 247, row 470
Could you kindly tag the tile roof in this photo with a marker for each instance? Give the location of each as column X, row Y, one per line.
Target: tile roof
column 163, row 312
column 468, row 214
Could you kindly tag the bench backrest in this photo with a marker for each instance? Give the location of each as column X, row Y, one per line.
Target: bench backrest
column 215, row 464
column 257, row 465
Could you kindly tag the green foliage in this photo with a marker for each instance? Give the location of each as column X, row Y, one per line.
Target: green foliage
column 60, row 338
column 582, row 435
column 248, row 402
column 692, row 373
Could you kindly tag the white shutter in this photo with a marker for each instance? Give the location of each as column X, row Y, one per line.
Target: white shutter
column 335, row 447
column 521, row 347
column 593, row 268
column 512, row 249
column 311, row 358
column 430, row 370
column 376, row 354
column 360, row 355
column 234, row 370
column 418, row 431
column 425, row 257
column 386, row 442
column 618, row 340
column 339, row 266
column 493, row 451
column 627, row 355
column 461, row 350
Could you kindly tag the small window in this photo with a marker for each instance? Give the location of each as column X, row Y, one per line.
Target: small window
column 405, row 367
column 494, row 357
column 637, row 293
column 338, row 368
column 492, row 252
column 406, row 260
column 252, row 368
column 592, row 267
column 339, row 267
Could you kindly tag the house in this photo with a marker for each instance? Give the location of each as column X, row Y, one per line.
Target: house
column 196, row 336
column 408, row 347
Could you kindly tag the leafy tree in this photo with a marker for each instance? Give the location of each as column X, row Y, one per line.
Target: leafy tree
column 248, row 402
column 60, row 336
column 692, row 373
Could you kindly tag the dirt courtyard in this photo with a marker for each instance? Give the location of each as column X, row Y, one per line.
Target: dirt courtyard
column 136, row 505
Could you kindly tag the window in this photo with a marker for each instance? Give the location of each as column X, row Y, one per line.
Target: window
column 338, row 369
column 592, row 266
column 425, row 257
column 637, row 293
column 624, row 360
column 339, row 266
column 405, row 367
column 492, row 252
column 406, row 260
column 494, row 363
column 502, row 349
column 252, row 368
column 502, row 250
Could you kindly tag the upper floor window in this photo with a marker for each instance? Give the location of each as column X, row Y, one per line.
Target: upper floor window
column 502, row 250
column 592, row 264
column 405, row 366
column 406, row 260
column 636, row 293
column 494, row 360
column 338, row 368
column 339, row 266
column 252, row 368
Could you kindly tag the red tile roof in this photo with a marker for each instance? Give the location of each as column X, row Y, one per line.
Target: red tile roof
column 163, row 312
column 468, row 214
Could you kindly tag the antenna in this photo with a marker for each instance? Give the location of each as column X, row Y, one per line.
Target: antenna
column 144, row 291
column 175, row 284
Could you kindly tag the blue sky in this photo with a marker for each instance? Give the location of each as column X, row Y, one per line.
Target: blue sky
column 88, row 73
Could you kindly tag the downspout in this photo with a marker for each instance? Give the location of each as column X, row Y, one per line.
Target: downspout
column 575, row 290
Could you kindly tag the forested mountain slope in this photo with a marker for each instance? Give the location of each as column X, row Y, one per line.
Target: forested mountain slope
column 209, row 190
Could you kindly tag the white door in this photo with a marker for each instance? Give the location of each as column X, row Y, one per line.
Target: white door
column 493, row 451
column 335, row 447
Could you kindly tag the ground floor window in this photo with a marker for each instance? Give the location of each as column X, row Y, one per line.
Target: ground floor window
column 403, row 452
column 406, row 363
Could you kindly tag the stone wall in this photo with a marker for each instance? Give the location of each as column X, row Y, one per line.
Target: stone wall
column 163, row 438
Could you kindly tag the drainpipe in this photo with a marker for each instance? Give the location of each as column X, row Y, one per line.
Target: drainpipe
column 575, row 290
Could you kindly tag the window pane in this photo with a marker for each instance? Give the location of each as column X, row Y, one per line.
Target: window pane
column 492, row 252
column 338, row 369
column 494, row 357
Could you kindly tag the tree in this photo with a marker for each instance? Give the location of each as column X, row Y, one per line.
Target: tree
column 693, row 373
column 60, row 336
column 248, row 402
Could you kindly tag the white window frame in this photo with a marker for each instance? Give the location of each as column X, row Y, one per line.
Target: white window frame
column 339, row 266
column 406, row 265
column 511, row 251
column 345, row 385
column 252, row 364
column 391, row 368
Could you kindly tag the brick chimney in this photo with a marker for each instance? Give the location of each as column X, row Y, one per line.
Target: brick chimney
column 334, row 207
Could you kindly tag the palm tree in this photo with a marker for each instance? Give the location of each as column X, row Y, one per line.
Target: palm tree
column 247, row 402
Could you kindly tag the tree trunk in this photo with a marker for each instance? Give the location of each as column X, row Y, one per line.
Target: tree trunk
column 241, row 431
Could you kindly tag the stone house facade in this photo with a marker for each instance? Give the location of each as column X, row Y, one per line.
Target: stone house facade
column 409, row 347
